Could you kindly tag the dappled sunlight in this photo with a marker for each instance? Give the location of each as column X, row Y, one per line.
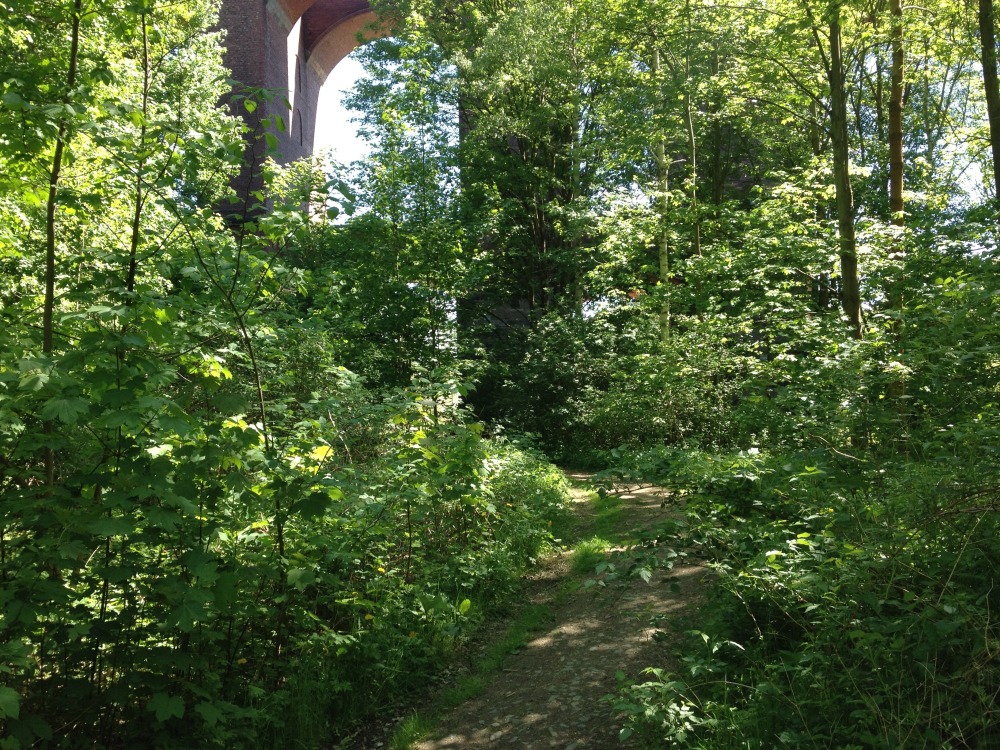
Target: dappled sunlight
column 277, row 434
column 552, row 691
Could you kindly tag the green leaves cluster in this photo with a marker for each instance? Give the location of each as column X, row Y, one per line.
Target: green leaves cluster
column 205, row 516
column 850, row 611
column 235, row 456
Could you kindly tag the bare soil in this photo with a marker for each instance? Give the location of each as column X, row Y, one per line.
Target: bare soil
column 552, row 693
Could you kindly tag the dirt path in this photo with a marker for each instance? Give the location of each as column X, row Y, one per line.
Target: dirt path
column 549, row 695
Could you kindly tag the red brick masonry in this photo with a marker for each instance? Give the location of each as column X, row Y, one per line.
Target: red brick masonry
column 268, row 47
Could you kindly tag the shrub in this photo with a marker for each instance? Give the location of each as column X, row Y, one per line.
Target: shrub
column 850, row 611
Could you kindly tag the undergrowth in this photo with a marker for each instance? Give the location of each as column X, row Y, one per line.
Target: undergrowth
column 391, row 540
column 854, row 605
column 588, row 553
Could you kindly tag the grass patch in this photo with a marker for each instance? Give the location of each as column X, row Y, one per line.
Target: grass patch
column 469, row 686
column 608, row 512
column 589, row 553
column 605, row 523
column 531, row 618
column 563, row 529
column 410, row 731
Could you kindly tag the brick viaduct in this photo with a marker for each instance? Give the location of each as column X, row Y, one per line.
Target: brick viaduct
column 291, row 46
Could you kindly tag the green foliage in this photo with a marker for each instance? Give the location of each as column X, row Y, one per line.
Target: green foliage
column 244, row 501
column 388, row 279
column 588, row 553
column 211, row 537
column 849, row 610
column 316, row 584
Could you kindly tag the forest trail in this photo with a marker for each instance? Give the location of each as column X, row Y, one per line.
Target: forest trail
column 550, row 694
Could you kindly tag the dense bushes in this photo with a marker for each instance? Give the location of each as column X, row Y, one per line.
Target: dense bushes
column 853, row 607
column 243, row 503
column 212, row 533
column 589, row 385
column 854, row 539
column 245, row 596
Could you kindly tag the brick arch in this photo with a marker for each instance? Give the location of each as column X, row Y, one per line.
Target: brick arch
column 261, row 51
column 333, row 43
column 330, row 28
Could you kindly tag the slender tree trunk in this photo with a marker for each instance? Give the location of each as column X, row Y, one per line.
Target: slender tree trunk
column 49, row 304
column 815, row 130
column 693, row 189
column 879, row 97
column 850, row 291
column 897, row 388
column 896, row 116
column 817, row 144
column 930, row 132
column 882, row 121
column 133, row 255
column 692, row 140
column 663, row 201
column 987, row 38
column 718, row 167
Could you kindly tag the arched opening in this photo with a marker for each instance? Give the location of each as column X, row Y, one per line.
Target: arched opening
column 403, row 95
column 398, row 251
column 328, row 43
column 336, row 133
column 290, row 47
column 320, row 34
column 405, row 227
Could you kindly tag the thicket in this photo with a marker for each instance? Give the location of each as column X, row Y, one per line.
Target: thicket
column 247, row 495
column 757, row 244
column 852, row 532
column 213, row 533
column 851, row 529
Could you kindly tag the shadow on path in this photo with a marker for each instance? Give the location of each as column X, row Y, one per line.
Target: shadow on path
column 549, row 695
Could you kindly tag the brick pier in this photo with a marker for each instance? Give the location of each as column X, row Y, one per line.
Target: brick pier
column 289, row 47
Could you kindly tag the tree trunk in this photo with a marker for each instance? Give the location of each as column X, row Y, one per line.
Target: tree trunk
column 850, row 291
column 49, row 304
column 692, row 140
column 133, row 255
column 987, row 37
column 662, row 197
column 896, row 116
column 897, row 388
column 718, row 167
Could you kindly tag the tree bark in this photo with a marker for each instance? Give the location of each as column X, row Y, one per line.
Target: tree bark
column 987, row 38
column 662, row 199
column 133, row 254
column 897, row 388
column 715, row 110
column 692, row 139
column 896, row 116
column 850, row 290
column 49, row 304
